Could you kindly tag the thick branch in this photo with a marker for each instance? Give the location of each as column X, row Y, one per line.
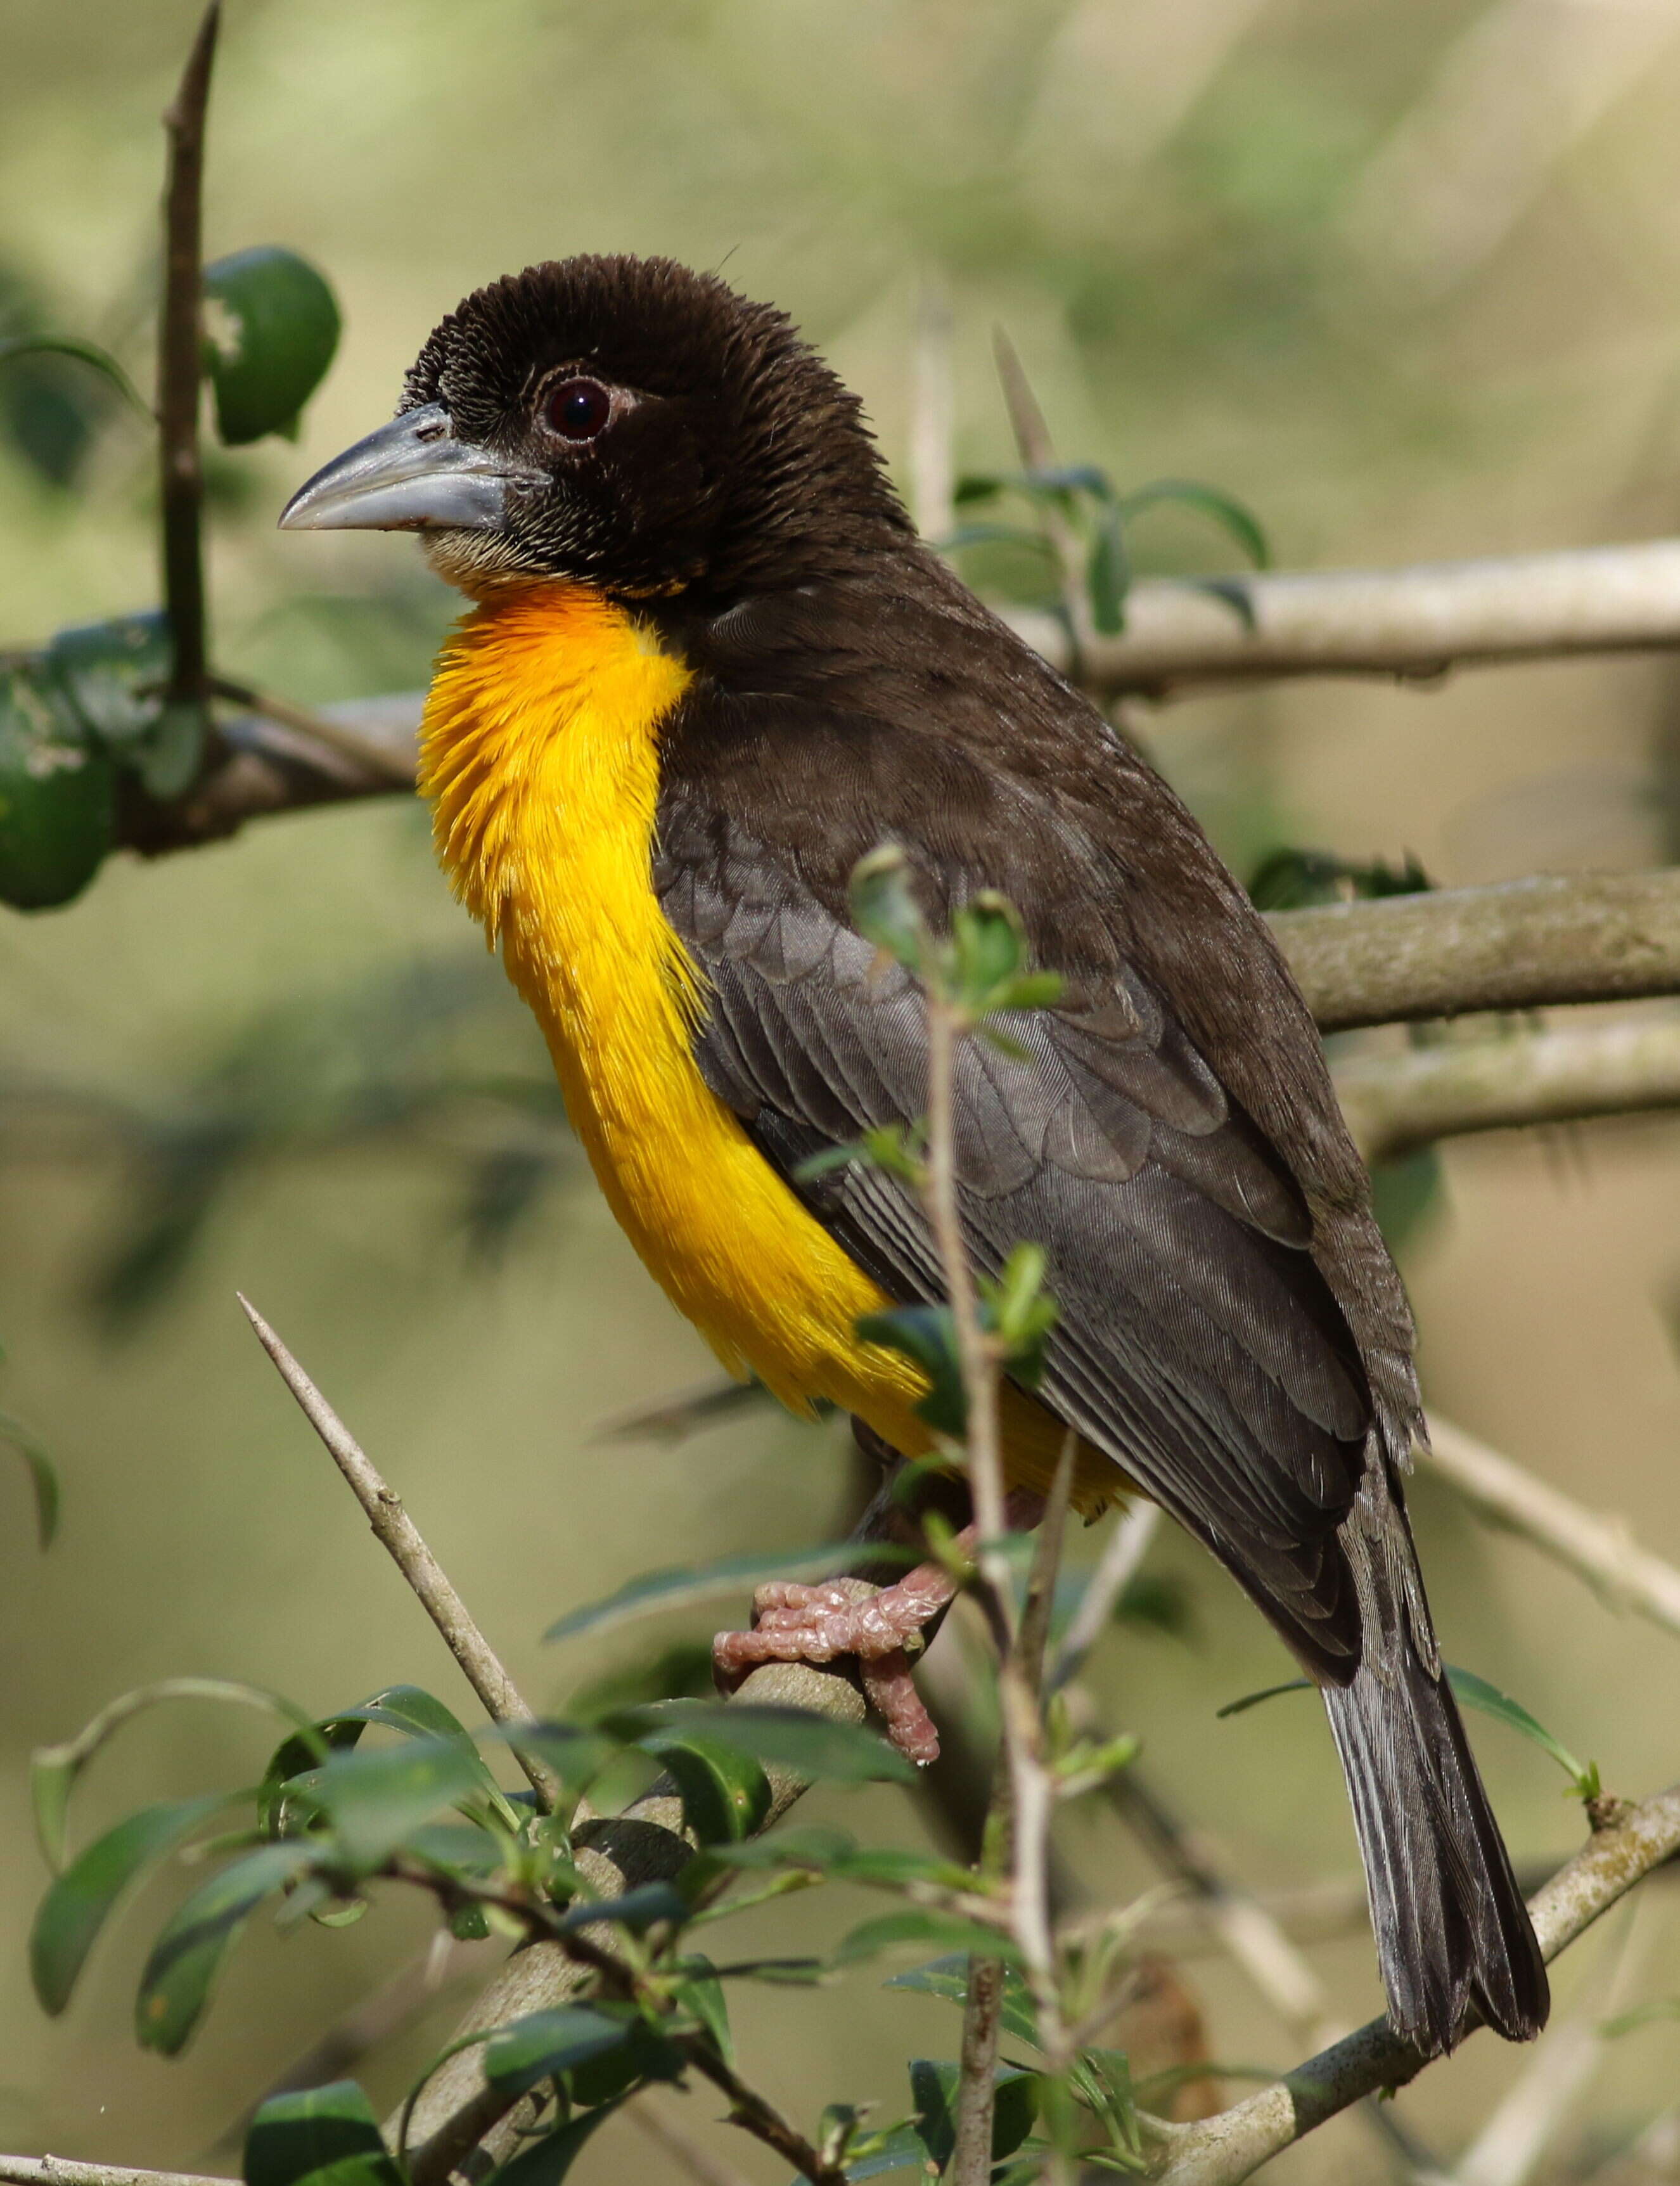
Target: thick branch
column 1521, row 945
column 1414, row 623
column 55, row 2171
column 1222, row 2150
column 1395, row 1104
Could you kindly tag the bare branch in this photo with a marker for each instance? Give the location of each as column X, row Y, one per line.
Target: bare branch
column 1598, row 1548
column 56, row 2171
column 1414, row 623
column 1127, row 1547
column 180, row 367
column 1396, row 1103
column 1222, row 2150
column 399, row 1535
column 1521, row 945
column 394, row 766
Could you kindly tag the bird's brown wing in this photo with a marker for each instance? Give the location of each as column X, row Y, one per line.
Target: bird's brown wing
column 1198, row 1343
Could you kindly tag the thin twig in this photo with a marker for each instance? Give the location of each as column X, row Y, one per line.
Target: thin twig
column 180, row 369
column 970, row 2163
column 1222, row 2150
column 399, row 1535
column 1037, row 451
column 1116, row 1567
column 1599, row 1548
column 378, row 758
column 756, row 2114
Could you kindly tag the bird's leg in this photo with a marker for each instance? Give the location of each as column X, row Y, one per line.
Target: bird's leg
column 794, row 1623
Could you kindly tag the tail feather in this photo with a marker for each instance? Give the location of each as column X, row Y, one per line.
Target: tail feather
column 1452, row 1933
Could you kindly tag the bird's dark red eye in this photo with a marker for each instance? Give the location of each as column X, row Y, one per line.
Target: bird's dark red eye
column 579, row 409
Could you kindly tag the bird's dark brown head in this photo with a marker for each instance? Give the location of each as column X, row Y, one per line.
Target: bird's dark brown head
column 626, row 424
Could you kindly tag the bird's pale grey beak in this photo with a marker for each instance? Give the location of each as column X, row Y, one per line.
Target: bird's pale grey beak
column 412, row 475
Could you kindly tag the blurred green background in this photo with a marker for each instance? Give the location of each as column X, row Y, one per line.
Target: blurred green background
column 1402, row 274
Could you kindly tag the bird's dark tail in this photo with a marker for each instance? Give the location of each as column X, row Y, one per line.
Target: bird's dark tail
column 1452, row 1930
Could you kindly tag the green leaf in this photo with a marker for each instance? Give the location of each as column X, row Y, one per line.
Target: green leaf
column 114, row 673
column 86, row 352
column 990, row 944
column 926, row 1336
column 527, row 2051
column 814, row 1845
column 1475, row 1692
column 923, row 1925
column 1224, row 510
column 685, row 1586
column 725, row 1794
column 80, row 1900
column 409, row 1709
column 933, row 2084
column 577, row 1753
column 1065, row 479
column 42, row 1477
column 188, row 1959
column 271, row 327
column 546, row 2162
column 977, row 485
column 637, row 1909
column 1644, row 2015
column 790, row 1738
column 1108, row 575
column 701, row 1993
column 375, row 1801
column 948, row 1978
column 1472, row 1691
column 997, row 534
column 328, row 2135
column 884, row 908
column 1101, row 2079
column 171, row 756
column 58, row 793
column 901, row 2149
column 53, row 1769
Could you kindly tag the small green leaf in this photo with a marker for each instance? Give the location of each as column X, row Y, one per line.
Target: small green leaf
column 790, row 1738
column 271, row 327
column 375, row 1801
column 114, row 673
column 701, row 1993
column 926, row 1336
column 1065, row 479
column 82, row 1899
column 546, row 2162
column 1108, row 575
column 686, row 1585
column 53, row 1769
column 814, row 1845
column 933, row 2084
column 318, row 2133
column 725, row 1794
column 42, row 1477
column 188, row 1957
column 923, row 1925
column 172, row 755
column 977, row 485
column 990, row 944
column 884, row 908
column 637, row 1909
column 527, row 2051
column 948, row 1978
column 86, row 352
column 1228, row 513
column 1472, row 1691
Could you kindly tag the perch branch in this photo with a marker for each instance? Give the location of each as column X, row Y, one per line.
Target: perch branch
column 1396, row 1103
column 1222, row 2150
column 55, row 2171
column 1521, row 945
column 1414, row 623
column 398, row 1534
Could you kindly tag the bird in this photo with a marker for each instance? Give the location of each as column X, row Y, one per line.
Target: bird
column 708, row 667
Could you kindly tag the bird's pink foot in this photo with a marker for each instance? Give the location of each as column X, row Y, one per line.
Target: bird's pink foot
column 796, row 1624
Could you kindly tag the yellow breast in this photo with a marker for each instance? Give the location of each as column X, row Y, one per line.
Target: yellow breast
column 540, row 751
